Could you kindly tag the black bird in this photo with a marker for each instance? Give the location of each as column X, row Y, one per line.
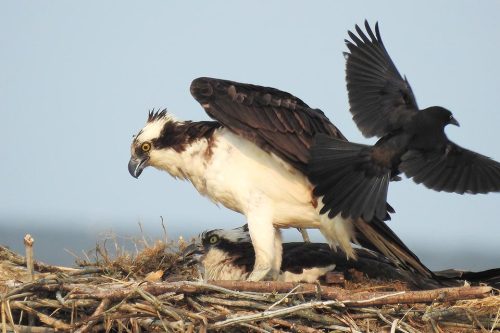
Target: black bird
column 353, row 178
column 229, row 255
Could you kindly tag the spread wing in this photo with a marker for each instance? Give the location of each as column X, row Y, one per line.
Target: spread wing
column 452, row 169
column 277, row 121
column 381, row 100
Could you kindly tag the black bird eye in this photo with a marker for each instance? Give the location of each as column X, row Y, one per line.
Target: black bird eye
column 146, row 146
column 214, row 239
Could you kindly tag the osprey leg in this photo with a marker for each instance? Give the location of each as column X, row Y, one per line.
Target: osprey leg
column 266, row 241
column 278, row 253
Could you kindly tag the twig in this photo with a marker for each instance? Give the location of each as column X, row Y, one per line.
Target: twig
column 165, row 236
column 283, row 298
column 4, row 321
column 32, row 329
column 275, row 313
column 28, row 244
column 381, row 316
column 255, row 328
column 158, row 305
column 55, row 323
column 294, row 326
column 92, row 320
column 496, row 320
column 343, row 329
column 9, row 316
column 394, row 326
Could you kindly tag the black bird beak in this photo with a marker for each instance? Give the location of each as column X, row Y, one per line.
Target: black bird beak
column 453, row 121
column 136, row 165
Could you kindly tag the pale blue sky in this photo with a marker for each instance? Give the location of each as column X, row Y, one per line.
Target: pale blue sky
column 77, row 80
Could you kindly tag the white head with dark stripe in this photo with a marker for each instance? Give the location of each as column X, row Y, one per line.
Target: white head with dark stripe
column 223, row 254
column 161, row 142
column 149, row 145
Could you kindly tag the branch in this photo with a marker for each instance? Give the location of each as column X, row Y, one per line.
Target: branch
column 354, row 299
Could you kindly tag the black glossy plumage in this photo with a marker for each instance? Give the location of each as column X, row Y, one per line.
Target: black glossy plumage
column 354, row 178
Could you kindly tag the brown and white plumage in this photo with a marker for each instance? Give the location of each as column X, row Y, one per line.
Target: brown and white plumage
column 253, row 160
column 228, row 255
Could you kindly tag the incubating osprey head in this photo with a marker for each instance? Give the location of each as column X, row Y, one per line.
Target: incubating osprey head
column 223, row 254
column 219, row 239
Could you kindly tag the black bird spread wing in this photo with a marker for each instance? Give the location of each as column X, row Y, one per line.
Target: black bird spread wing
column 380, row 99
column 275, row 120
column 452, row 169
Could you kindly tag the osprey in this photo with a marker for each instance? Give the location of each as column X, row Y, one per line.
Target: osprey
column 412, row 141
column 253, row 159
column 229, row 255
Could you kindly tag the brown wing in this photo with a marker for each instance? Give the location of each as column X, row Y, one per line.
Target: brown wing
column 453, row 169
column 275, row 120
column 380, row 99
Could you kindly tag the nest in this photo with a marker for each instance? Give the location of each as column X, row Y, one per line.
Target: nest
column 152, row 290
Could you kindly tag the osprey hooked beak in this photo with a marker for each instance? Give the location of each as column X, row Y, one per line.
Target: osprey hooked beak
column 136, row 165
column 192, row 253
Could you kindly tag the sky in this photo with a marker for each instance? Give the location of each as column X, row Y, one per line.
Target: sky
column 78, row 78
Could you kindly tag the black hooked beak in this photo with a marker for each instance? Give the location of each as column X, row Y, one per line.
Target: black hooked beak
column 191, row 254
column 453, row 121
column 136, row 165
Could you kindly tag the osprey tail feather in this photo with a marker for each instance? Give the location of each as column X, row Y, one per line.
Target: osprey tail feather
column 377, row 236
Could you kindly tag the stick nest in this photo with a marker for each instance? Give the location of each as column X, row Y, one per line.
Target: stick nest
column 150, row 289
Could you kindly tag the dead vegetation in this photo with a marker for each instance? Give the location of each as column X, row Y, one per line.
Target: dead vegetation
column 150, row 288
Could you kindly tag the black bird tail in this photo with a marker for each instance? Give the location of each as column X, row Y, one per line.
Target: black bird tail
column 344, row 175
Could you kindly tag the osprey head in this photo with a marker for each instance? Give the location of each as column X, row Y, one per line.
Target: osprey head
column 148, row 143
column 218, row 239
column 222, row 254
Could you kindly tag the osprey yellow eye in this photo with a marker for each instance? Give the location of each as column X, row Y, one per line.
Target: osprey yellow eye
column 213, row 239
column 146, row 146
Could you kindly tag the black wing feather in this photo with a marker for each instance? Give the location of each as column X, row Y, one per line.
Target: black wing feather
column 275, row 120
column 380, row 99
column 453, row 169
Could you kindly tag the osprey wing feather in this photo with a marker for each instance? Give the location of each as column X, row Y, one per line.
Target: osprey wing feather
column 273, row 119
